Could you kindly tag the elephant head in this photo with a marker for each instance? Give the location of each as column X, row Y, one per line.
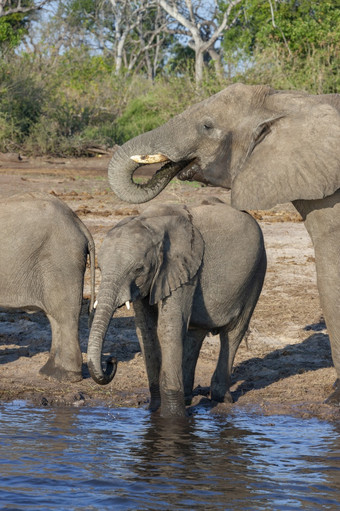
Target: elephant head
column 268, row 146
column 149, row 255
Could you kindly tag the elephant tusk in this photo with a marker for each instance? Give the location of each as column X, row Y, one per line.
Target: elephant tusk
column 149, row 158
column 95, row 304
column 127, row 305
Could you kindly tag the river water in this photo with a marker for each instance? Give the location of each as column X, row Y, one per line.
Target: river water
column 126, row 459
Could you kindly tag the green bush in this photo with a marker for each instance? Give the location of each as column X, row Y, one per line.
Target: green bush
column 21, row 100
column 9, row 134
column 140, row 115
column 154, row 105
column 66, row 106
column 316, row 74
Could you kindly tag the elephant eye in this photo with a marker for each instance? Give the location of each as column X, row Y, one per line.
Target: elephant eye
column 208, row 125
column 261, row 131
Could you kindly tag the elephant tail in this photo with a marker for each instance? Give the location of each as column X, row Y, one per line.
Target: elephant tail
column 92, row 255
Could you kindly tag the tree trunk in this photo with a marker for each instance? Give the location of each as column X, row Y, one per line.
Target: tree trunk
column 198, row 66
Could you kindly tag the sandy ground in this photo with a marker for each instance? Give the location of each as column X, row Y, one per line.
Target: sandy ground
column 284, row 367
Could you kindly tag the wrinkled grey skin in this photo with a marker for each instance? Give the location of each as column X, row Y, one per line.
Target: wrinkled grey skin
column 269, row 147
column 203, row 267
column 44, row 248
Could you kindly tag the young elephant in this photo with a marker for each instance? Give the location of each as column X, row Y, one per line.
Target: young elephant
column 188, row 271
column 44, row 248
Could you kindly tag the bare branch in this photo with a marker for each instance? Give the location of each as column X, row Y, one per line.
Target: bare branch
column 174, row 13
column 224, row 25
column 278, row 28
column 201, row 42
column 8, row 7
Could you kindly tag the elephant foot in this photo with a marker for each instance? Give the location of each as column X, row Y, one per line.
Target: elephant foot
column 172, row 404
column 58, row 373
column 188, row 399
column 155, row 401
column 224, row 397
column 177, row 413
column 334, row 398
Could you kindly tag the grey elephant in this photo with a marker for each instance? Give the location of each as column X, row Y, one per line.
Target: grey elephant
column 44, row 248
column 268, row 147
column 188, row 271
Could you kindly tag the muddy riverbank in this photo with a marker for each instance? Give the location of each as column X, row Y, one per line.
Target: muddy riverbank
column 284, row 367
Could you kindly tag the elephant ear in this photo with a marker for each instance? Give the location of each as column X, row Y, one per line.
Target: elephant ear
column 166, row 209
column 296, row 156
column 181, row 254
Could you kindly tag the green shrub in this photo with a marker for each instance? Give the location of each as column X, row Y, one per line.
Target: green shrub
column 67, row 105
column 317, row 73
column 140, row 115
column 9, row 134
column 153, row 106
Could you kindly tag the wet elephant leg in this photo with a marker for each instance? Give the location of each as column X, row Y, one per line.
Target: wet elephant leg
column 146, row 328
column 65, row 359
column 191, row 349
column 173, row 320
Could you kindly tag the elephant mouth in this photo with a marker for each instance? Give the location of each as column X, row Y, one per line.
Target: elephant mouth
column 185, row 170
column 192, row 172
column 126, row 303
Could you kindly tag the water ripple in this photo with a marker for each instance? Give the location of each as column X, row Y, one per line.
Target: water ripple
column 126, row 459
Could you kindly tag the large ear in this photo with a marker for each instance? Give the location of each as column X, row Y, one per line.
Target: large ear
column 292, row 157
column 181, row 255
column 166, row 209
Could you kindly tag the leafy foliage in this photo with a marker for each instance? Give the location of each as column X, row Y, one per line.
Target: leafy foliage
column 12, row 30
column 295, row 44
column 67, row 94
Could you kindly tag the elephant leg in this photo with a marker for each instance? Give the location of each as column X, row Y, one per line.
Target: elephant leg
column 65, row 359
column 191, row 349
column 328, row 280
column 221, row 379
column 146, row 328
column 322, row 221
column 173, row 320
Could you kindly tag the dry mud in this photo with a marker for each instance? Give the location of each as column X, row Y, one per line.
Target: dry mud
column 283, row 367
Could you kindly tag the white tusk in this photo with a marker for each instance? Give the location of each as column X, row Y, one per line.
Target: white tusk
column 127, row 305
column 95, row 304
column 149, row 158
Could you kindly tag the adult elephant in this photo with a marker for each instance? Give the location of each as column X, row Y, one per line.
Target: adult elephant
column 269, row 147
column 44, row 249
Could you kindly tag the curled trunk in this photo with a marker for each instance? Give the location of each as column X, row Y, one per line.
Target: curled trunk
column 122, row 167
column 99, row 328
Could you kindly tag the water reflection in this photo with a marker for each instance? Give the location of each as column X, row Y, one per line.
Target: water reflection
column 125, row 459
column 191, row 463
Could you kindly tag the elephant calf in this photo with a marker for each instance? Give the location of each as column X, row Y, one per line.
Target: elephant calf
column 44, row 247
column 188, row 271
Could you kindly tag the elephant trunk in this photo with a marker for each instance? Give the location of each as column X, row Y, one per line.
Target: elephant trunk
column 105, row 310
column 122, row 167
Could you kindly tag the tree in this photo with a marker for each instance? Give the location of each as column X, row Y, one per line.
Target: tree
column 8, row 7
column 130, row 32
column 15, row 16
column 202, row 25
column 302, row 36
column 138, row 35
